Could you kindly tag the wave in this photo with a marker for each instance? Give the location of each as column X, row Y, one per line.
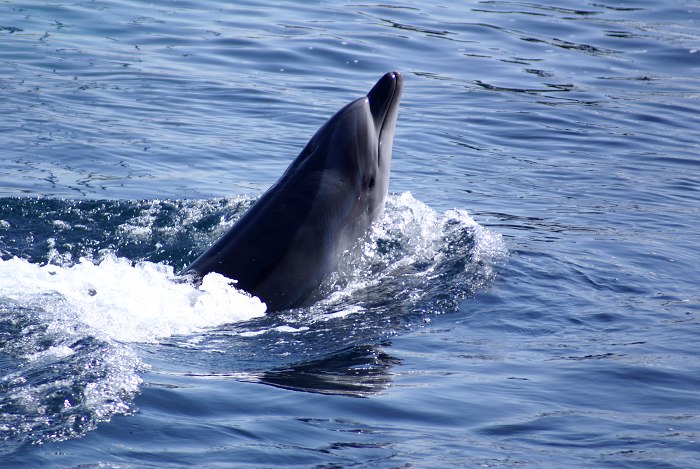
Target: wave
column 85, row 285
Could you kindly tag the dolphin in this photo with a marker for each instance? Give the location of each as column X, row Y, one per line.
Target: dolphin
column 291, row 238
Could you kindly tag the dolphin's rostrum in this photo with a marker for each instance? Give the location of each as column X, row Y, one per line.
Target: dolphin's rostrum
column 283, row 247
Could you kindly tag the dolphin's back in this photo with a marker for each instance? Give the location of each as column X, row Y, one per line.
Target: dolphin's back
column 256, row 246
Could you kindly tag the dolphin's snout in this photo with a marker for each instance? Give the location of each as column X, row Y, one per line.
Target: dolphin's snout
column 384, row 96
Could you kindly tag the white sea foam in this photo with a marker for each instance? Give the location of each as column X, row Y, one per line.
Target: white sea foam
column 125, row 302
column 77, row 324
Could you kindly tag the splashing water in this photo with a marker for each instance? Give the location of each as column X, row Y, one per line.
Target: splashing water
column 67, row 329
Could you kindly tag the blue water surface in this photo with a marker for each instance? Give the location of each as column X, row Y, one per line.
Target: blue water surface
column 530, row 298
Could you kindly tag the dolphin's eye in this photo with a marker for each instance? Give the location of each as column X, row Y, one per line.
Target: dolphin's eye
column 371, row 183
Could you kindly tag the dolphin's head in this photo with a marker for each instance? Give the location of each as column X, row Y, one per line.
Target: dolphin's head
column 384, row 105
column 353, row 149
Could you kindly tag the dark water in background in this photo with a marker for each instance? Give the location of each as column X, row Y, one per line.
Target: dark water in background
column 555, row 325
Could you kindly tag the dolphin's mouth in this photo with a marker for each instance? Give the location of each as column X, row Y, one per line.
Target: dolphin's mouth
column 384, row 101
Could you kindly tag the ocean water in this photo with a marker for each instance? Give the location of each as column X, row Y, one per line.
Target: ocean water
column 530, row 298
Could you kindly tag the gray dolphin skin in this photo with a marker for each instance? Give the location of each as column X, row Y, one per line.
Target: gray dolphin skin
column 283, row 247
